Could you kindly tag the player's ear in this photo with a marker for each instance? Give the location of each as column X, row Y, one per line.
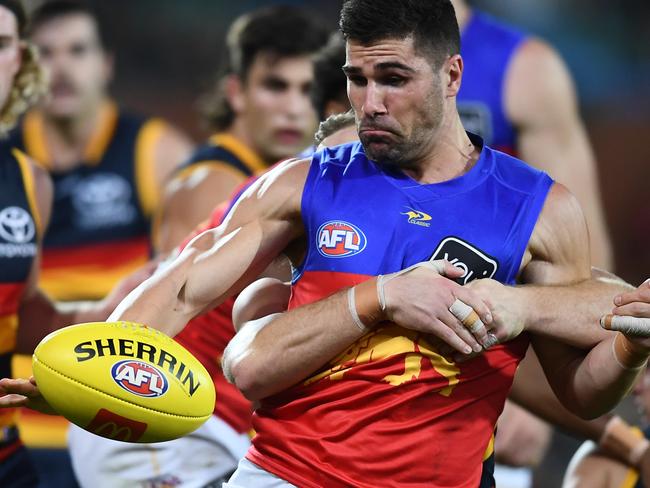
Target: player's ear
column 235, row 93
column 453, row 71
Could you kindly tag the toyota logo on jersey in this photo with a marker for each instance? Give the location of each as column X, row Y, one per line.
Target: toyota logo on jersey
column 16, row 225
column 338, row 239
column 139, row 378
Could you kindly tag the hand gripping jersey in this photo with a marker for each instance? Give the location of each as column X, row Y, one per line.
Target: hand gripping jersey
column 487, row 47
column 20, row 227
column 99, row 229
column 389, row 410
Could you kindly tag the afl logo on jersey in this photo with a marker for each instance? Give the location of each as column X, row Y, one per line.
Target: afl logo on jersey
column 16, row 225
column 338, row 239
column 139, row 378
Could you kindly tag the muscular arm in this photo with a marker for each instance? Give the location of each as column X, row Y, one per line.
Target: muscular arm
column 588, row 380
column 541, row 102
column 221, row 261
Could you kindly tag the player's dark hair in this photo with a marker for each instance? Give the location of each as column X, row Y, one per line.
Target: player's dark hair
column 431, row 23
column 55, row 9
column 16, row 8
column 278, row 31
column 330, row 82
column 333, row 124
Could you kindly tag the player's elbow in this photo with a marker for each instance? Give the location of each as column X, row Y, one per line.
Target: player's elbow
column 241, row 369
column 247, row 377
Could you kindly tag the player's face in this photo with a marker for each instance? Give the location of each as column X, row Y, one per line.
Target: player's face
column 276, row 107
column 397, row 99
column 78, row 67
column 9, row 53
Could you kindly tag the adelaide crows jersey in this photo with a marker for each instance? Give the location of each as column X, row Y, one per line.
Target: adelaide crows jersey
column 99, row 229
column 20, row 230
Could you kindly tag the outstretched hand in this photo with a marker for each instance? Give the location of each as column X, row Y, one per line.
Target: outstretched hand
column 23, row 393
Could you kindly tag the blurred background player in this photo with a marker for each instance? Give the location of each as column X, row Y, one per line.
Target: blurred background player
column 21, row 223
column 519, row 96
column 260, row 110
column 107, row 167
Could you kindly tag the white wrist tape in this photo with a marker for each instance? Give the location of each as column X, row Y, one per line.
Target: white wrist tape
column 352, row 307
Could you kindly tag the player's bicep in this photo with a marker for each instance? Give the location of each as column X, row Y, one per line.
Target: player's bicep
column 558, row 250
column 263, row 222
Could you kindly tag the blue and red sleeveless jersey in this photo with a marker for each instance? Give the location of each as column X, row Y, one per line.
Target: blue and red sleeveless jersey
column 487, row 47
column 390, row 410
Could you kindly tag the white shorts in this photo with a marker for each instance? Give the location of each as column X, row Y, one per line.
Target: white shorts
column 507, row 477
column 250, row 475
column 205, row 457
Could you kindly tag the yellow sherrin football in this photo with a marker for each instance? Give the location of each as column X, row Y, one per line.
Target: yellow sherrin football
column 123, row 381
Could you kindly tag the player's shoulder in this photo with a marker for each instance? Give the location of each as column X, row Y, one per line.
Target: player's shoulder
column 536, row 64
column 538, row 84
column 514, row 172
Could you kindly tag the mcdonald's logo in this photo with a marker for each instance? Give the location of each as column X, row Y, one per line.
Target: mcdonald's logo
column 113, row 426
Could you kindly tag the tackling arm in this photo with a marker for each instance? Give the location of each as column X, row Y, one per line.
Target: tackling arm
column 590, row 380
column 220, row 262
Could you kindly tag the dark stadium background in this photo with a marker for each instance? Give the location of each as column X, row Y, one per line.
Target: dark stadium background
column 167, row 53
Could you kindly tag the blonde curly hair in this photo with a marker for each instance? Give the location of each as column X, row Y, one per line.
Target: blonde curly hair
column 30, row 84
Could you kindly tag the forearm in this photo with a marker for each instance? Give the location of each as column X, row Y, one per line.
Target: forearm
column 296, row 343
column 532, row 391
column 591, row 384
column 570, row 314
column 210, row 269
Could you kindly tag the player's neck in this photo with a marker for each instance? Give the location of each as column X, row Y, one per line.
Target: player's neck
column 463, row 13
column 68, row 137
column 450, row 154
column 240, row 132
